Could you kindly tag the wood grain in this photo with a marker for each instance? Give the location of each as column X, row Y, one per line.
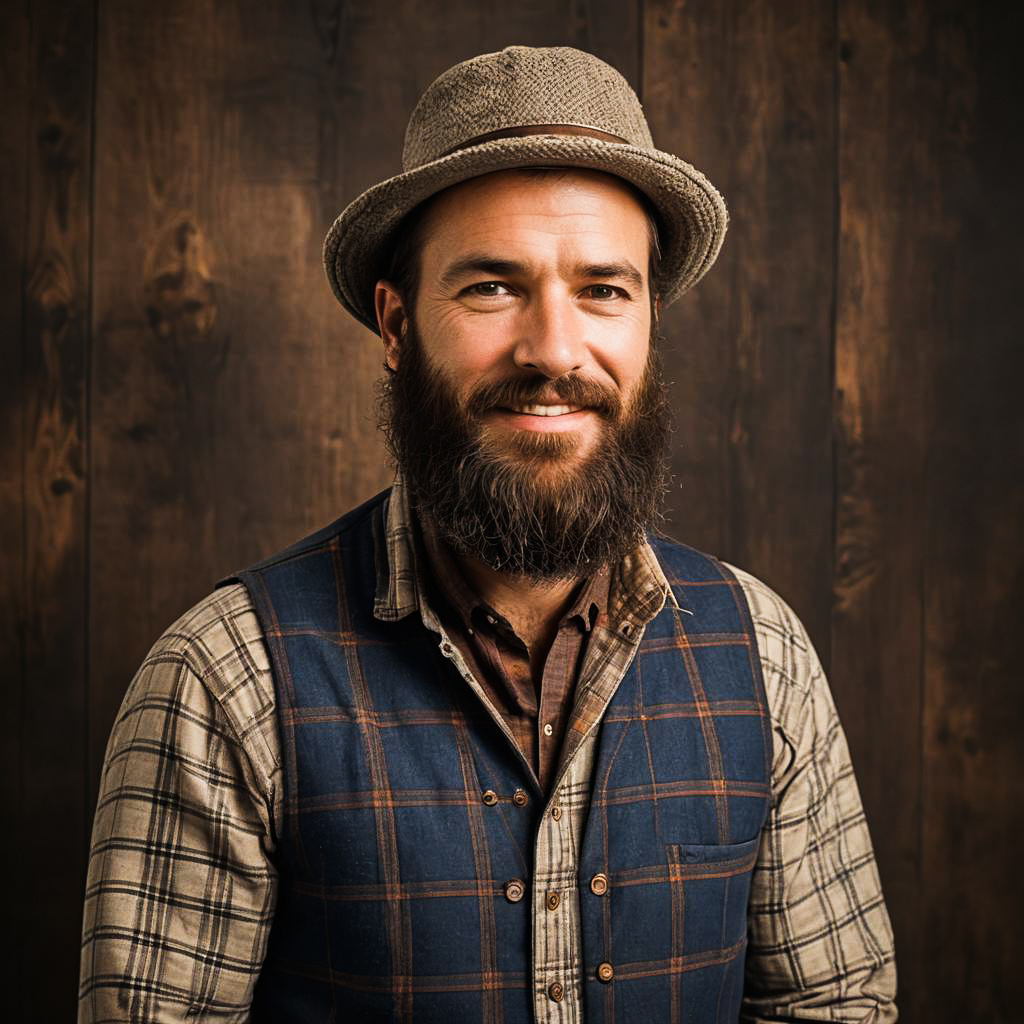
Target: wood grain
column 888, row 213
column 930, row 498
column 231, row 416
column 973, row 581
column 15, row 86
column 745, row 92
column 53, row 821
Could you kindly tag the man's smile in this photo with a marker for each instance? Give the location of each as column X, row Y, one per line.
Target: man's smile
column 544, row 410
column 540, row 417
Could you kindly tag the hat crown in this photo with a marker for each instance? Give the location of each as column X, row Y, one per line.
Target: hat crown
column 517, row 87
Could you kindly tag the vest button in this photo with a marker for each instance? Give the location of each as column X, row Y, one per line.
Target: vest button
column 556, row 813
column 514, row 890
column 599, row 884
column 490, row 797
column 605, row 972
column 556, row 992
column 553, row 900
column 519, row 798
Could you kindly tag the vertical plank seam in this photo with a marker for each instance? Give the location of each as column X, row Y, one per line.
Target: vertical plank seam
column 21, row 605
column 834, row 339
column 87, row 443
column 641, row 70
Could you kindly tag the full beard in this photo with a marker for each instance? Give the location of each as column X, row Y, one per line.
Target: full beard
column 524, row 503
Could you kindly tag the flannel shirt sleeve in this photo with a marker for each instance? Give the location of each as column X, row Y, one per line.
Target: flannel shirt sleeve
column 820, row 943
column 181, row 888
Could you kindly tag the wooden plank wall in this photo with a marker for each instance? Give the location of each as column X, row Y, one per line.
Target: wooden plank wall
column 182, row 394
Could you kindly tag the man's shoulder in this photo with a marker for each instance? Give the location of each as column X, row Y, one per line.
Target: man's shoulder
column 224, row 620
column 788, row 661
column 785, row 647
column 219, row 645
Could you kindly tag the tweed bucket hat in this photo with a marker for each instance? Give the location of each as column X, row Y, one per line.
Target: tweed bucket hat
column 526, row 107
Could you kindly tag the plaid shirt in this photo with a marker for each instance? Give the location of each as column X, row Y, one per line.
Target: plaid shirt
column 534, row 703
column 182, row 887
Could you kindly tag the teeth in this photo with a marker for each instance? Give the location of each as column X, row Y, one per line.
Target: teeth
column 546, row 410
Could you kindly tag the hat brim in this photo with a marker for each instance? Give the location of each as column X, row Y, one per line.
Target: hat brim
column 692, row 217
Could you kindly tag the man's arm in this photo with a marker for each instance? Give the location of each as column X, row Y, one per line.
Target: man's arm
column 181, row 891
column 821, row 944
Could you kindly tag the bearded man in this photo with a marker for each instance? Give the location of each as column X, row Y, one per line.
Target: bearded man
column 488, row 748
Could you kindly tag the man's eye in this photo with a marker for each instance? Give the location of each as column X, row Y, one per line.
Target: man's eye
column 488, row 289
column 604, row 292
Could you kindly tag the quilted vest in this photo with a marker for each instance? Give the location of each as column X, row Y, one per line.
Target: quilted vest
column 411, row 823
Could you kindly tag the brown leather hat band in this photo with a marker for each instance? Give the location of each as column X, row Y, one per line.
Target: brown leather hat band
column 521, row 131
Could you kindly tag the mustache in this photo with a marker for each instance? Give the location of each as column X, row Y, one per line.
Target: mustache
column 572, row 389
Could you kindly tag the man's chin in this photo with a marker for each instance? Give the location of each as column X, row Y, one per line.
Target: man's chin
column 540, row 450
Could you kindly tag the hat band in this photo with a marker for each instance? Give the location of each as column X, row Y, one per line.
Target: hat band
column 522, row 130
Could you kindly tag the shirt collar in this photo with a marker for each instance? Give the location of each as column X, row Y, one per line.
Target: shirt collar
column 636, row 588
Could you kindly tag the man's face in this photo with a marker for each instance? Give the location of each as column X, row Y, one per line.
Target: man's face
column 531, row 278
column 523, row 381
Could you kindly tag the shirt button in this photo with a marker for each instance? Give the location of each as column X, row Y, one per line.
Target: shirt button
column 548, row 730
column 446, row 650
column 519, row 798
column 514, row 890
column 605, row 972
column 491, row 619
column 553, row 900
column 556, row 813
column 599, row 884
column 490, row 797
column 555, row 991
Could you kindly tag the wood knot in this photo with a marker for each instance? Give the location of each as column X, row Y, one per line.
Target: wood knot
column 181, row 298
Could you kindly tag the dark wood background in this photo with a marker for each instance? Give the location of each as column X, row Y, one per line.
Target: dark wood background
column 181, row 395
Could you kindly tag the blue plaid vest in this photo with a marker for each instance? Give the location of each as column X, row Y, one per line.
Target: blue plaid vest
column 398, row 868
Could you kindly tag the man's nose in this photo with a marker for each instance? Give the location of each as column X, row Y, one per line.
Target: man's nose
column 551, row 338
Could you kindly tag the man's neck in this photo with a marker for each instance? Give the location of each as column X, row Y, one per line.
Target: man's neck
column 534, row 610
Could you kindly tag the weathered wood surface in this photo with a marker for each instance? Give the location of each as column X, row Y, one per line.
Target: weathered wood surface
column 844, row 380
column 745, row 92
column 15, row 79
column 881, row 401
column 48, row 64
column 973, row 580
column 930, row 499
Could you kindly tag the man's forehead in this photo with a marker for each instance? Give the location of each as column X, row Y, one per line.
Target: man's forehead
column 574, row 200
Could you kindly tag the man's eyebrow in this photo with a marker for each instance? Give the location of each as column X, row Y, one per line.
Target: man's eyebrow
column 480, row 263
column 484, row 263
column 621, row 271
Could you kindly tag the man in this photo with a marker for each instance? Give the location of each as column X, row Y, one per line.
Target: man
column 487, row 748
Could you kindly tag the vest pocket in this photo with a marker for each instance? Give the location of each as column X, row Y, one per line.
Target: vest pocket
column 710, row 887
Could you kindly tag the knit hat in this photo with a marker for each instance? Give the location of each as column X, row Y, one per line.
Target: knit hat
column 526, row 107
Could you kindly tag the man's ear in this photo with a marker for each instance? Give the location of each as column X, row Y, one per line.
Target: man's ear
column 392, row 319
